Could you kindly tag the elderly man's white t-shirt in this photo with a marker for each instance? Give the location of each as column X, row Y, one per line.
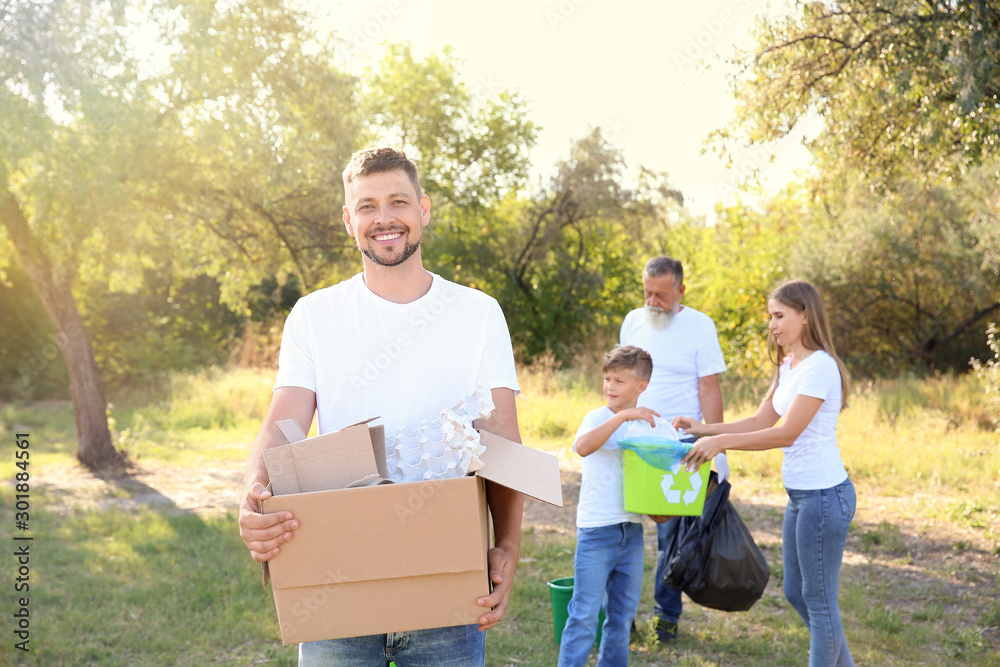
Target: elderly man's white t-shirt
column 367, row 357
column 682, row 353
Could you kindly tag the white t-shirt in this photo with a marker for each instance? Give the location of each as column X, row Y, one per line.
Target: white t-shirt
column 682, row 353
column 602, row 489
column 813, row 460
column 368, row 357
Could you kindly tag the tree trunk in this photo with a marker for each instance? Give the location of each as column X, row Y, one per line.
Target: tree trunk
column 93, row 439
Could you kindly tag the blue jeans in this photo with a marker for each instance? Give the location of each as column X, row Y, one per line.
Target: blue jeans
column 607, row 569
column 668, row 601
column 459, row 646
column 813, row 535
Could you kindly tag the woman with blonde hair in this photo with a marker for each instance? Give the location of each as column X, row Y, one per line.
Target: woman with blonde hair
column 809, row 390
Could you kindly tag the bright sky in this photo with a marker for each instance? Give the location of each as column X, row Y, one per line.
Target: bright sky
column 631, row 68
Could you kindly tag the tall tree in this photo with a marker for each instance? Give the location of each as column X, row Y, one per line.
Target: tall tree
column 908, row 92
column 472, row 145
column 733, row 267
column 901, row 86
column 56, row 113
column 914, row 273
column 564, row 262
column 107, row 159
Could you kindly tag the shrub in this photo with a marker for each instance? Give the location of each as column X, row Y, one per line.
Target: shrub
column 989, row 372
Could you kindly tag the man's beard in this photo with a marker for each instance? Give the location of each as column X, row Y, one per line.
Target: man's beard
column 658, row 318
column 408, row 250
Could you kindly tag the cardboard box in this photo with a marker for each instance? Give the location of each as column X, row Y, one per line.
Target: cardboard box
column 396, row 557
column 673, row 492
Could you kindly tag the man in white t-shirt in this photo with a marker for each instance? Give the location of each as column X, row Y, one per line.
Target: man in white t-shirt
column 399, row 342
column 687, row 360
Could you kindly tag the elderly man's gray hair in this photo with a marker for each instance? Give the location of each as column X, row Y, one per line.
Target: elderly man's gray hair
column 662, row 265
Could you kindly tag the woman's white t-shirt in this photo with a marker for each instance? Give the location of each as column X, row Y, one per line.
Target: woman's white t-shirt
column 602, row 488
column 813, row 460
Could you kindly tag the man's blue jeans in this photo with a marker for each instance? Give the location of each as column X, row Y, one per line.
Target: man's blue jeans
column 813, row 538
column 459, row 646
column 668, row 601
column 607, row 569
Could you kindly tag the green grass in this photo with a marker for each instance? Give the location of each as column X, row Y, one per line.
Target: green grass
column 142, row 588
column 157, row 586
column 885, row 536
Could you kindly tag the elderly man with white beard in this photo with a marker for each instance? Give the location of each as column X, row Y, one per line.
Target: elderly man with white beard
column 687, row 360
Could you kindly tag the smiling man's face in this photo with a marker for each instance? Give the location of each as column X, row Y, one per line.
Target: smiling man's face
column 386, row 216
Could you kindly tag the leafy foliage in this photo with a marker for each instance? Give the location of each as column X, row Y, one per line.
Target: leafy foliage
column 735, row 266
column 565, row 263
column 890, row 79
column 472, row 148
column 989, row 372
column 900, row 227
column 911, row 272
column 155, row 148
column 176, row 163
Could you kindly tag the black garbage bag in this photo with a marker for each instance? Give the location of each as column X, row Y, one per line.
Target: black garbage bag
column 713, row 557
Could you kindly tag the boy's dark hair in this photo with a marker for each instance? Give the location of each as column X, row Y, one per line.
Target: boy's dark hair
column 631, row 357
column 378, row 160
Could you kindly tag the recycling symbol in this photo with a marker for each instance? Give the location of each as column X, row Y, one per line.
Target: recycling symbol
column 673, row 495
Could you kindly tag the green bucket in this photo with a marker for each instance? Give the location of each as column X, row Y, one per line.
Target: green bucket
column 649, row 490
column 561, row 592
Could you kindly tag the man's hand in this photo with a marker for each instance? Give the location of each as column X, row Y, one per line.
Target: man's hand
column 659, row 518
column 502, row 566
column 264, row 533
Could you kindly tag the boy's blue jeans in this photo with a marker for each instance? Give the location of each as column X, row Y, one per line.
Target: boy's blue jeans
column 459, row 646
column 668, row 601
column 607, row 569
column 813, row 537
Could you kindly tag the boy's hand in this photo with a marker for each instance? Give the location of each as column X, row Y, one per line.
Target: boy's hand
column 634, row 414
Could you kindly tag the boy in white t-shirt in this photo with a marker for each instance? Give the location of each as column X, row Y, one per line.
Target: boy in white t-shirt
column 609, row 555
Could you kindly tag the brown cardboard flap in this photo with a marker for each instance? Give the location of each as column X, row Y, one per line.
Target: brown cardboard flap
column 291, row 429
column 265, row 571
column 329, row 461
column 521, row 468
column 358, row 534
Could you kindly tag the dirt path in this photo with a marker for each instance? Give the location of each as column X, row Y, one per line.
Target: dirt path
column 205, row 490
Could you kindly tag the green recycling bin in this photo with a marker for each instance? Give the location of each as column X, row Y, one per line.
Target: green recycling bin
column 561, row 592
column 673, row 492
